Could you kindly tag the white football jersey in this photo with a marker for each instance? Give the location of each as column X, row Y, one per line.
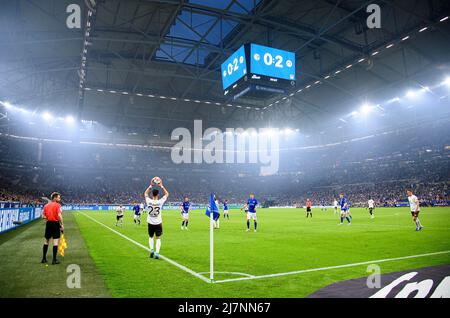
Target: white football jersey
column 154, row 208
column 141, row 206
column 413, row 203
column 120, row 210
column 335, row 203
column 371, row 203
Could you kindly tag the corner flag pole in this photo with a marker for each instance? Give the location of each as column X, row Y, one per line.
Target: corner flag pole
column 211, row 247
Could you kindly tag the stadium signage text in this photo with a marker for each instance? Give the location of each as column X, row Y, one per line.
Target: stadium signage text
column 234, row 146
column 11, row 218
column 428, row 282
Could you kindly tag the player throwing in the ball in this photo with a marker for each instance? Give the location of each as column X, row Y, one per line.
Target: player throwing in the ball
column 154, row 218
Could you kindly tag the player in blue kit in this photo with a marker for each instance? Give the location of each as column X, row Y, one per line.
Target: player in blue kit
column 344, row 209
column 250, row 208
column 137, row 214
column 185, row 207
column 225, row 210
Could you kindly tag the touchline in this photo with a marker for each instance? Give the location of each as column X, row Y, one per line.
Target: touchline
column 234, row 146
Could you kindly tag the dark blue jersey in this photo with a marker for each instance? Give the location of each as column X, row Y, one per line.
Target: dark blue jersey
column 342, row 203
column 137, row 210
column 251, row 205
column 225, row 206
column 185, row 207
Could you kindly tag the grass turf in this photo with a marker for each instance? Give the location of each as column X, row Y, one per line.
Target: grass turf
column 22, row 274
column 285, row 241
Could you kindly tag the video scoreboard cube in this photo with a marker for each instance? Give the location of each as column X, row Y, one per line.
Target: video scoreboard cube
column 256, row 67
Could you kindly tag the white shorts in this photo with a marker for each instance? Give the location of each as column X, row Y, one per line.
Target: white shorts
column 185, row 216
column 251, row 215
column 137, row 216
column 225, row 211
column 344, row 212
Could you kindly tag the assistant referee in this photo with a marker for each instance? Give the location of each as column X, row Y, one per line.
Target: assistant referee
column 53, row 227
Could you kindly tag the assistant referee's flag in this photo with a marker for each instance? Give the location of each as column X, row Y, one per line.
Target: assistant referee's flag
column 62, row 245
column 212, row 207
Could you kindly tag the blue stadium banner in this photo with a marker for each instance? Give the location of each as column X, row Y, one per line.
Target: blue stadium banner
column 11, row 218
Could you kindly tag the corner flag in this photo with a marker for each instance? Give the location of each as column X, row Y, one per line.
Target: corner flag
column 212, row 207
column 212, row 211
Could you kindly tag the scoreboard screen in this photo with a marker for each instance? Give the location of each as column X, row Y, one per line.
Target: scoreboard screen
column 234, row 68
column 272, row 62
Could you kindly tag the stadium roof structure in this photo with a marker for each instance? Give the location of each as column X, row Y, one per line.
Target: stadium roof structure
column 145, row 63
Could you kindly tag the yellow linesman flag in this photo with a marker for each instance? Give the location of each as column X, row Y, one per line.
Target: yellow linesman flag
column 62, row 245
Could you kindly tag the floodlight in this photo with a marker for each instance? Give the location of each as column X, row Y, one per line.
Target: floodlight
column 411, row 94
column 69, row 119
column 47, row 116
column 446, row 81
column 365, row 109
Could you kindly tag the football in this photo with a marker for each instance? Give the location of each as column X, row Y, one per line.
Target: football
column 156, row 180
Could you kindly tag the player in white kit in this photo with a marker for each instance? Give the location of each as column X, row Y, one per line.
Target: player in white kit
column 414, row 205
column 119, row 217
column 371, row 204
column 154, row 218
column 335, row 205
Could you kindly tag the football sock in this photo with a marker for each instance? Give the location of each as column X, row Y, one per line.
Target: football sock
column 218, row 224
column 248, row 224
column 158, row 245
column 44, row 251
column 150, row 242
column 256, row 224
column 55, row 251
column 182, row 223
column 342, row 219
column 186, row 223
column 348, row 220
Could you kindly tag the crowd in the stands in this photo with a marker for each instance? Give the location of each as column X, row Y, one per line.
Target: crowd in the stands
column 380, row 167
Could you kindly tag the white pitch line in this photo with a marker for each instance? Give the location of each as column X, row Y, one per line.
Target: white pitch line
column 182, row 267
column 231, row 273
column 330, row 267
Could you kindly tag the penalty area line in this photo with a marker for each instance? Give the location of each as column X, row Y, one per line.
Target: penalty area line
column 182, row 267
column 330, row 267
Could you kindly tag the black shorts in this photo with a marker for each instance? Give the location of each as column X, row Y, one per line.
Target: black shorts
column 308, row 209
column 118, row 217
column 155, row 229
column 371, row 209
column 52, row 230
column 415, row 214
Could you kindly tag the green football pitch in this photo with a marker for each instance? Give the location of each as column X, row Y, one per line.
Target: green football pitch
column 289, row 255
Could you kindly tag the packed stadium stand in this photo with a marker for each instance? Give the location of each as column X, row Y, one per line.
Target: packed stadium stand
column 381, row 166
